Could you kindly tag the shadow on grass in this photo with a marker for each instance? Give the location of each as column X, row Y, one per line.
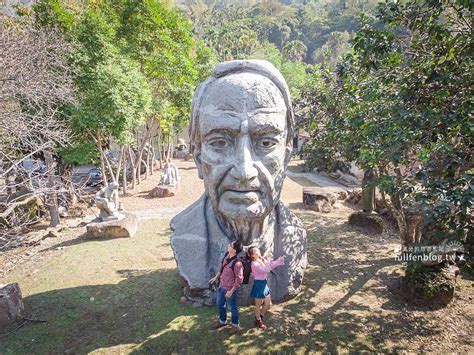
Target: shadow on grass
column 142, row 313
column 82, row 319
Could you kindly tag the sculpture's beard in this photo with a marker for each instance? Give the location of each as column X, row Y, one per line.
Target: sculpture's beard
column 243, row 209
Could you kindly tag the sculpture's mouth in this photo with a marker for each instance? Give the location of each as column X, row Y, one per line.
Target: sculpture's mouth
column 240, row 196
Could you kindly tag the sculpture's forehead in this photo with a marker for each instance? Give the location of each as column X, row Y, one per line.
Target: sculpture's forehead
column 242, row 93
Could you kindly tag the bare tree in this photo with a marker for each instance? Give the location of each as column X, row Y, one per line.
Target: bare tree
column 36, row 82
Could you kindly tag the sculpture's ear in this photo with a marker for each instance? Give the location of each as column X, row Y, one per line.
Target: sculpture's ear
column 197, row 160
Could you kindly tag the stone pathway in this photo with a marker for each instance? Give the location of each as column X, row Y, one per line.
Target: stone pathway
column 161, row 213
column 319, row 180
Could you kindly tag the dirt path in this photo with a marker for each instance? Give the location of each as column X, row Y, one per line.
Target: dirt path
column 122, row 295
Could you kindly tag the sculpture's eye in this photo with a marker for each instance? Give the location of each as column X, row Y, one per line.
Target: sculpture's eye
column 219, row 143
column 267, row 143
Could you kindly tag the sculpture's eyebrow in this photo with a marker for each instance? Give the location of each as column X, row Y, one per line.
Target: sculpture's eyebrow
column 265, row 129
column 227, row 130
column 220, row 122
column 266, row 110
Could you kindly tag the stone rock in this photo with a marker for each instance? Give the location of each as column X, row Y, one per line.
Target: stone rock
column 163, row 191
column 62, row 211
column 354, row 196
column 428, row 285
column 52, row 233
column 197, row 304
column 11, row 304
column 181, row 154
column 370, row 222
column 183, row 300
column 319, row 199
column 126, row 227
column 187, row 157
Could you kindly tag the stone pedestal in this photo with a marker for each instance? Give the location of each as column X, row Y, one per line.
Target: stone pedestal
column 123, row 228
column 11, row 304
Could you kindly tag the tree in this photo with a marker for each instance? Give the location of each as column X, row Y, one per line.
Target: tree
column 36, row 85
column 400, row 104
column 295, row 50
column 115, row 98
column 160, row 40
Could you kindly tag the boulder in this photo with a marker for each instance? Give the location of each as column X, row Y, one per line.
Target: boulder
column 11, row 304
column 181, row 154
column 163, row 191
column 322, row 199
column 367, row 221
column 429, row 285
column 123, row 228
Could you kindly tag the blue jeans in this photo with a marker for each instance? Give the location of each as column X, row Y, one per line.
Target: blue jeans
column 224, row 303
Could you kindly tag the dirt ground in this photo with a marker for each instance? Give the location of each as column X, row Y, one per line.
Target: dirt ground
column 122, row 295
column 191, row 188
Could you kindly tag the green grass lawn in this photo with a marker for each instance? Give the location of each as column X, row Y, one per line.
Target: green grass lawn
column 122, row 296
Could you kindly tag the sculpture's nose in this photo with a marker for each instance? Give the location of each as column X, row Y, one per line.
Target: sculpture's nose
column 244, row 169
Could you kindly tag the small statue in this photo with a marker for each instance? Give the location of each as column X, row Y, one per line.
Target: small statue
column 368, row 191
column 181, row 145
column 106, row 201
column 169, row 175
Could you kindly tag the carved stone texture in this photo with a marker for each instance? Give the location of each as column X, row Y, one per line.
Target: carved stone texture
column 369, row 222
column 368, row 190
column 241, row 132
column 123, row 228
column 107, row 202
column 169, row 175
column 11, row 304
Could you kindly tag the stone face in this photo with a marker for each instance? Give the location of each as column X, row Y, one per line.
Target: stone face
column 126, row 227
column 11, row 304
column 163, row 191
column 370, row 222
column 241, row 132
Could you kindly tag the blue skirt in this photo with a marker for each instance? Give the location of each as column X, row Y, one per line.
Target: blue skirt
column 260, row 289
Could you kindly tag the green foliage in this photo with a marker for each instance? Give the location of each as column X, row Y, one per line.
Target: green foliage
column 136, row 61
column 80, row 153
column 289, row 36
column 400, row 104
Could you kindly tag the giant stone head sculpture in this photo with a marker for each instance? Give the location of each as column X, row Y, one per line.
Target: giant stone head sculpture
column 241, row 130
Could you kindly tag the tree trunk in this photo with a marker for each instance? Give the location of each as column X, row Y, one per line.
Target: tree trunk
column 124, row 174
column 67, row 179
column 139, row 167
column 397, row 211
column 139, row 157
column 52, row 196
column 132, row 163
column 152, row 162
column 148, row 162
column 102, row 162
